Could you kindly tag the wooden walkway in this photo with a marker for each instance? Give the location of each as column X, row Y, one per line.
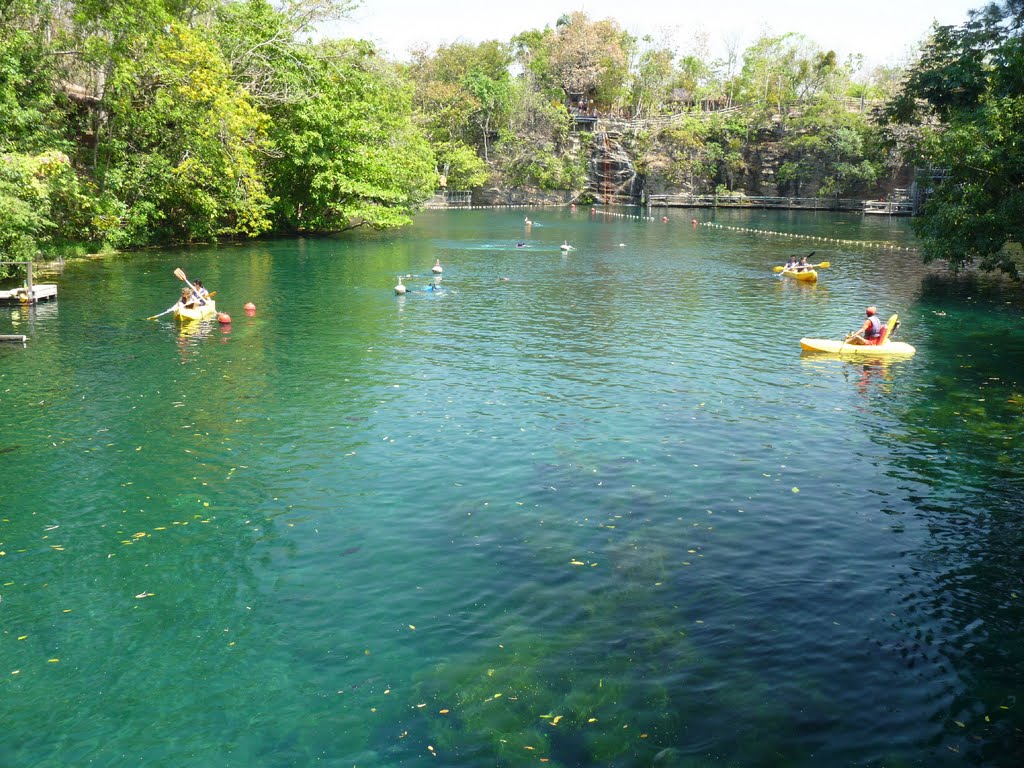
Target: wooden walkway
column 31, row 292
column 889, row 207
column 742, row 201
column 39, row 292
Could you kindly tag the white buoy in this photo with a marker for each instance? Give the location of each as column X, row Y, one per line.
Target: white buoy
column 400, row 288
column 437, row 268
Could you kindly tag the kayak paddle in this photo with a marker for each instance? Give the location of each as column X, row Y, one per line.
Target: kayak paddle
column 180, row 274
column 169, row 309
column 822, row 265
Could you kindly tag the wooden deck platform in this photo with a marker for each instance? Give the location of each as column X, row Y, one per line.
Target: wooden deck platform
column 39, row 292
column 889, row 207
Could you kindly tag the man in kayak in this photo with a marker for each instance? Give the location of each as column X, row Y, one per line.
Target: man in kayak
column 869, row 333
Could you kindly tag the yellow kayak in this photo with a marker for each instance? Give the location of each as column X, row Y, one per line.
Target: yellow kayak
column 888, row 348
column 207, row 311
column 809, row 275
column 860, row 350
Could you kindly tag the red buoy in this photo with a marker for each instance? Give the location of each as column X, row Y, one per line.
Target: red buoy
column 223, row 318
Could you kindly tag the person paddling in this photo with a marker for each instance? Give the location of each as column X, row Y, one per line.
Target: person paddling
column 871, row 332
column 201, row 293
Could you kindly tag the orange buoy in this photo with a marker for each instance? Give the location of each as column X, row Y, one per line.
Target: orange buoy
column 223, row 318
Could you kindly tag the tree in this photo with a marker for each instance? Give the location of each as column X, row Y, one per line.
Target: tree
column 652, row 78
column 833, row 147
column 41, row 202
column 183, row 143
column 779, row 72
column 967, row 94
column 349, row 155
column 590, row 57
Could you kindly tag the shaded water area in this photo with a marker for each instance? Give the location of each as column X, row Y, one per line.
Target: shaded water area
column 600, row 513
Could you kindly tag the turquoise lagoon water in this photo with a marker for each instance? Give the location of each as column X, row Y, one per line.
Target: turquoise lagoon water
column 600, row 513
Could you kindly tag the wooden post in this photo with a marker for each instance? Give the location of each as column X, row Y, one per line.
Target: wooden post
column 28, row 281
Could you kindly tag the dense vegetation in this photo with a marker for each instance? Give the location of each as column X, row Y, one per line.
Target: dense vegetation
column 124, row 124
column 963, row 110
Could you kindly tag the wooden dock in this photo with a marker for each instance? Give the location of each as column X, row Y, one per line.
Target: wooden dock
column 31, row 292
column 889, row 207
column 743, row 201
column 39, row 292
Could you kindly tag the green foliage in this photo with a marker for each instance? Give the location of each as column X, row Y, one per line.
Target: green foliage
column 349, row 155
column 969, row 80
column 41, row 204
column 183, row 145
column 461, row 166
column 651, row 81
column 830, row 146
column 523, row 163
column 29, row 116
column 779, row 72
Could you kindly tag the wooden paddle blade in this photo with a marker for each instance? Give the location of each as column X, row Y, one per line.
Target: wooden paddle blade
column 178, row 273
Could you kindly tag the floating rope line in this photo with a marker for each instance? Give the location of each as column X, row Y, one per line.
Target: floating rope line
column 594, row 211
column 813, row 238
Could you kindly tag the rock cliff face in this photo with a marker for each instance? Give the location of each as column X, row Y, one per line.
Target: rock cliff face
column 611, row 172
column 623, row 167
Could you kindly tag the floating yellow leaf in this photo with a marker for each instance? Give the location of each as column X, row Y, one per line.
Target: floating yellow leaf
column 575, row 562
column 412, row 627
column 23, row 637
column 52, row 661
column 444, row 711
column 420, row 706
column 962, row 725
column 592, row 720
column 555, row 721
column 795, row 489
